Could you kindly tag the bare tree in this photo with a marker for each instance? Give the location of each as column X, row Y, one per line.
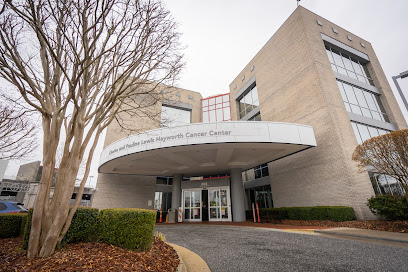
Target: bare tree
column 80, row 64
column 17, row 134
column 387, row 154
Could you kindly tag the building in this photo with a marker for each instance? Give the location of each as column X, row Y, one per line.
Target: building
column 315, row 89
column 24, row 188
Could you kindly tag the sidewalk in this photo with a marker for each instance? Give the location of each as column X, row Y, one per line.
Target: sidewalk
column 375, row 235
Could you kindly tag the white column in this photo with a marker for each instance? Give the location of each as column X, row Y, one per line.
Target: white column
column 237, row 196
column 176, row 192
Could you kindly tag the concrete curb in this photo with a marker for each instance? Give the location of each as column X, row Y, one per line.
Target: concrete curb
column 189, row 261
column 374, row 235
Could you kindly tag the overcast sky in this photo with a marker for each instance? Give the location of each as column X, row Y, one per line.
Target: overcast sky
column 223, row 36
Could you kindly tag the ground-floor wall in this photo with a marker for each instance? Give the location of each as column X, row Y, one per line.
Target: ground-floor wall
column 124, row 191
column 318, row 178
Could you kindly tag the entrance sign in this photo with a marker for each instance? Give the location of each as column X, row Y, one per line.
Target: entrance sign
column 168, row 151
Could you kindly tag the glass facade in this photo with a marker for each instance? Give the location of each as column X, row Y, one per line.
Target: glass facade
column 162, row 200
column 384, row 184
column 261, row 195
column 349, row 66
column 174, row 117
column 216, row 108
column 364, row 132
column 248, row 102
column 361, row 101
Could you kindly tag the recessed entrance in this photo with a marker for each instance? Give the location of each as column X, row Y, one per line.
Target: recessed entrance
column 212, row 204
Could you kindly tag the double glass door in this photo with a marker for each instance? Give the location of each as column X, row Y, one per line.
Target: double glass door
column 207, row 205
column 219, row 208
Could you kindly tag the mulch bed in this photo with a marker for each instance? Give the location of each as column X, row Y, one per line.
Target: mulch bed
column 89, row 257
column 393, row 226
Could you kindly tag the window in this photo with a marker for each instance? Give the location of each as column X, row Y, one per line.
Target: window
column 261, row 195
column 164, row 180
column 216, row 108
column 384, row 184
column 256, row 117
column 162, row 200
column 349, row 66
column 256, row 172
column 364, row 132
column 363, row 102
column 174, row 117
column 248, row 102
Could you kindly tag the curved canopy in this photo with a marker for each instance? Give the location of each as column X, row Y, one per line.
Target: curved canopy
column 205, row 148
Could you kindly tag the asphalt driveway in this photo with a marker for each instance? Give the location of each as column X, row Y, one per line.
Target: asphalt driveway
column 228, row 248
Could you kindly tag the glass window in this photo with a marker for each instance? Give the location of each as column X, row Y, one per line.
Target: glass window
column 364, row 132
column 248, row 102
column 220, row 111
column 349, row 66
column 363, row 129
column 174, row 117
column 361, row 101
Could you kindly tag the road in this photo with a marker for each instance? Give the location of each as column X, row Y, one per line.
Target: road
column 229, row 248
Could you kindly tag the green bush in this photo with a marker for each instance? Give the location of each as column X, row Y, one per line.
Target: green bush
column 335, row 213
column 128, row 228
column 27, row 229
column 389, row 207
column 83, row 227
column 10, row 224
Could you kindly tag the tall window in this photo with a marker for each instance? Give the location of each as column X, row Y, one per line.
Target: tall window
column 248, row 102
column 348, row 66
column 362, row 102
column 174, row 117
column 364, row 132
column 216, row 108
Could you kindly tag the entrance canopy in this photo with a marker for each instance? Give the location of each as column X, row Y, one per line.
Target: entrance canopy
column 205, row 148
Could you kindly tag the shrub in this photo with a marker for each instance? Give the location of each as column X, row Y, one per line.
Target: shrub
column 83, row 227
column 335, row 213
column 27, row 229
column 10, row 224
column 128, row 228
column 389, row 207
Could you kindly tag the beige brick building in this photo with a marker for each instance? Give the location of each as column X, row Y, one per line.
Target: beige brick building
column 311, row 72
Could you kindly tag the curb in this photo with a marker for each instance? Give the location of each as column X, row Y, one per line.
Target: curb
column 181, row 267
column 361, row 235
column 189, row 261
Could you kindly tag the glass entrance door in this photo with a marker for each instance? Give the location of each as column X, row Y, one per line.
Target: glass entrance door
column 219, row 204
column 192, row 205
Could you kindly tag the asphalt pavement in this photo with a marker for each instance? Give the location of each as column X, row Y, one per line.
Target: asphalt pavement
column 231, row 248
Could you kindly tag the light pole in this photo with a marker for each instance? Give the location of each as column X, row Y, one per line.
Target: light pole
column 394, row 78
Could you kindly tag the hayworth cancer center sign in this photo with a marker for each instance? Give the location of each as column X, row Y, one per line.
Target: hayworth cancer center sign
column 209, row 133
column 164, row 139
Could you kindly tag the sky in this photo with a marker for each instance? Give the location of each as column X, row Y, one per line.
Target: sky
column 221, row 37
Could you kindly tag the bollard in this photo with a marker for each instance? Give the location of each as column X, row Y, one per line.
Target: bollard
column 257, row 210
column 253, row 211
column 180, row 215
column 160, row 215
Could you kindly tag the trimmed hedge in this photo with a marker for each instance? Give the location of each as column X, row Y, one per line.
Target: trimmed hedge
column 83, row 227
column 12, row 224
column 389, row 207
column 334, row 213
column 128, row 228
